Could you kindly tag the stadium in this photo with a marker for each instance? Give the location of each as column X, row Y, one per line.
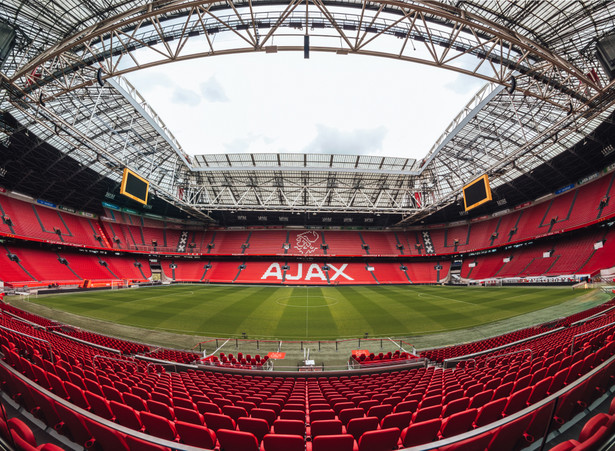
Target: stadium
column 156, row 297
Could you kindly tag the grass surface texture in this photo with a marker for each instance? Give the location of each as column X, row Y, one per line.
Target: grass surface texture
column 308, row 313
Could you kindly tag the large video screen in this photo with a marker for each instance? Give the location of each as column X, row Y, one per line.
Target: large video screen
column 476, row 193
column 134, row 186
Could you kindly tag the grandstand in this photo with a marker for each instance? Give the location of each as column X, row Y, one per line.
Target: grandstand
column 541, row 129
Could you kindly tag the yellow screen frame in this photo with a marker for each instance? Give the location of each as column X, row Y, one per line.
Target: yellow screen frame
column 485, row 180
column 127, row 194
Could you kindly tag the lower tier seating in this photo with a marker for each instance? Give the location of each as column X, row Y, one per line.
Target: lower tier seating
column 84, row 393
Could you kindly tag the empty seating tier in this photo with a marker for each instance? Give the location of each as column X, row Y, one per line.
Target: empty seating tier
column 401, row 407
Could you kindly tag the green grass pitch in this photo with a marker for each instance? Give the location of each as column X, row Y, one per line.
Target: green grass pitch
column 307, row 313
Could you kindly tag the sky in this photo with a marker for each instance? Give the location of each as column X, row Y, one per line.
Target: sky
column 283, row 103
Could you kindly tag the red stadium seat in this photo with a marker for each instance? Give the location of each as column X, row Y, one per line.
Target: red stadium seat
column 257, row 426
column 105, row 437
column 158, row 426
column 231, row 440
column 420, row 433
column 379, row 440
column 340, row 442
column 195, row 435
column 282, row 442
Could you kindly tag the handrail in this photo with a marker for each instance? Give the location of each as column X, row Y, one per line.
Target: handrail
column 161, row 362
column 34, row 338
column 508, row 345
column 98, row 356
column 88, row 343
column 511, row 353
column 587, row 332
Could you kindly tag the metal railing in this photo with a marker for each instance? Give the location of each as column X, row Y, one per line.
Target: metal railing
column 51, row 357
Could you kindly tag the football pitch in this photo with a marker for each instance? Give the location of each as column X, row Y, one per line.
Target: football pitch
column 314, row 313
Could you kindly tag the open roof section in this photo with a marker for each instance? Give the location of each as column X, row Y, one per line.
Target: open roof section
column 542, row 49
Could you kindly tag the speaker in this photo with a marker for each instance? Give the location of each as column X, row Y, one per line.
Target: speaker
column 605, row 52
column 7, row 41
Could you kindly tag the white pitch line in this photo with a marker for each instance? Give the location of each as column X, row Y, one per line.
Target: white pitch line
column 307, row 304
column 442, row 297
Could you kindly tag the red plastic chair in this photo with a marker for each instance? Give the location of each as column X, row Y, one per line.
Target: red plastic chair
column 237, row 440
column 234, row 412
column 317, row 415
column 160, row 409
column 282, row 442
column 325, row 427
column 490, row 412
column 358, row 426
column 455, row 406
column 458, row 423
column 341, row 442
column 427, row 413
column 72, row 425
column 379, row 411
column 257, row 426
column 517, row 401
column 400, row 420
column 195, row 435
column 188, row 415
column 266, row 414
column 420, row 433
column 106, row 438
column 348, row 414
column 289, row 427
column 99, row 405
column 158, row 426
column 218, row 421
column 379, row 440
column 126, row 416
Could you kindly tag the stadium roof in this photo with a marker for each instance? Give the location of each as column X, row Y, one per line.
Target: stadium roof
column 545, row 92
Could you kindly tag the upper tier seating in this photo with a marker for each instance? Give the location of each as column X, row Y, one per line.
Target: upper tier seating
column 578, row 207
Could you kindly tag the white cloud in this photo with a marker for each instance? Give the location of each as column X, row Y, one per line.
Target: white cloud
column 213, row 91
column 184, row 96
column 283, row 103
column 355, row 142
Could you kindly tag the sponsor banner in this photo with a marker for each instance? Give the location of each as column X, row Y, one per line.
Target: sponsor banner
column 153, row 216
column 564, row 189
column 480, row 218
column 47, row 203
column 87, row 215
column 276, row 355
column 356, row 353
column 68, row 209
column 108, row 205
column 501, row 212
column 130, row 211
column 609, row 168
column 589, row 178
column 523, row 205
column 457, row 223
column 436, row 226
